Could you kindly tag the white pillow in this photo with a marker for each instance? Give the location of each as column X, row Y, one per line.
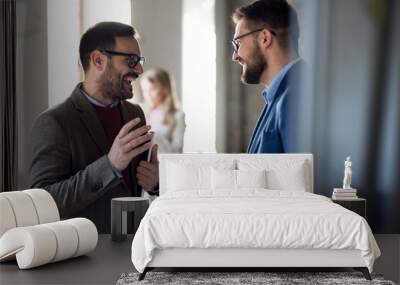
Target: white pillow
column 192, row 175
column 281, row 174
column 183, row 177
column 251, row 178
column 223, row 179
column 236, row 179
column 288, row 179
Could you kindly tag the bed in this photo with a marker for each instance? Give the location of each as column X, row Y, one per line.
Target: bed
column 244, row 211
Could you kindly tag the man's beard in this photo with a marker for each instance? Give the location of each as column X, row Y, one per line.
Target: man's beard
column 114, row 86
column 252, row 73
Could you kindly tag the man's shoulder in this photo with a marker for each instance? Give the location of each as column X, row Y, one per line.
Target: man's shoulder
column 63, row 109
column 59, row 114
column 291, row 84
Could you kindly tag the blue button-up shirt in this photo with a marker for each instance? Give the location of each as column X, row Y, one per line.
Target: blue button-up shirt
column 271, row 134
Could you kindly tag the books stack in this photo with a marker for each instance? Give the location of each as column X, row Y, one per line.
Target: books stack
column 344, row 194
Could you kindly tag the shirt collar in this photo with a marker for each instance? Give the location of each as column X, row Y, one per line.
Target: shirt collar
column 97, row 102
column 270, row 90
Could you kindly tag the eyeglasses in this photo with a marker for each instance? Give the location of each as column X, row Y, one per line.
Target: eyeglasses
column 133, row 59
column 236, row 43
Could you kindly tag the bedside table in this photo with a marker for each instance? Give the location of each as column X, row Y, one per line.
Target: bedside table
column 119, row 208
column 357, row 205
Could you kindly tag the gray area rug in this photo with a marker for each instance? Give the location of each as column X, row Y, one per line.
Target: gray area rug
column 230, row 278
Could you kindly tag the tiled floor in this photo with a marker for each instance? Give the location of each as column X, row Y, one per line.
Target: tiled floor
column 389, row 262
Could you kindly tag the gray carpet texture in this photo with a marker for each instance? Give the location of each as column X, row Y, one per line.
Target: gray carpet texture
column 244, row 278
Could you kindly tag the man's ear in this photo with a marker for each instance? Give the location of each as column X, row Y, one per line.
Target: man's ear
column 266, row 38
column 98, row 60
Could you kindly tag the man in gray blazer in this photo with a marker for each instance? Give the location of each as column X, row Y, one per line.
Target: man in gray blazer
column 94, row 145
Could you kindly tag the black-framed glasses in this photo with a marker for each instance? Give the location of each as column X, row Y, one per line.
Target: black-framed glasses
column 236, row 43
column 133, row 59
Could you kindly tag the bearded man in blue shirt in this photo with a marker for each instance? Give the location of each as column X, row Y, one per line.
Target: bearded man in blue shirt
column 265, row 44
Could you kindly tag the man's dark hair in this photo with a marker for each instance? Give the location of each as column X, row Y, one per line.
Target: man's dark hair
column 275, row 15
column 102, row 37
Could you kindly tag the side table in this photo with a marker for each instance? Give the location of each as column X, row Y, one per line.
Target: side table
column 119, row 208
column 357, row 205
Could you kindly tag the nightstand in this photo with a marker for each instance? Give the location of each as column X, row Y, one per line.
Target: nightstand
column 119, row 208
column 357, row 205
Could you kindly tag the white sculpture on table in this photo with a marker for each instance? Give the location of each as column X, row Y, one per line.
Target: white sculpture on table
column 347, row 174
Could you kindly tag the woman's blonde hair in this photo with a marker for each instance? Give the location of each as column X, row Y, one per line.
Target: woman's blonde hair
column 170, row 103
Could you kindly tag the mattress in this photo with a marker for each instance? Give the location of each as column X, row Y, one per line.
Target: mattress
column 251, row 219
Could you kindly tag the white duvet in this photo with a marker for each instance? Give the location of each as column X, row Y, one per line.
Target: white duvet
column 253, row 218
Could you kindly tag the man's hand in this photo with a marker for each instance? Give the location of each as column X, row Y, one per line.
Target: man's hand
column 147, row 172
column 128, row 144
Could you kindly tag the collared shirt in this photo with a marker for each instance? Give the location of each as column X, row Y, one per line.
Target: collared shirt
column 96, row 102
column 269, row 134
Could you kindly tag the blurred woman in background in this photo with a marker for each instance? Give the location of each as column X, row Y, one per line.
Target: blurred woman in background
column 164, row 115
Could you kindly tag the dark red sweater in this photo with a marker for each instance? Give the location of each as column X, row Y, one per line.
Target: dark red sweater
column 111, row 120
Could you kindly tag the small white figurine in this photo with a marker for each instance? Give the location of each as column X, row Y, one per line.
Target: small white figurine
column 347, row 174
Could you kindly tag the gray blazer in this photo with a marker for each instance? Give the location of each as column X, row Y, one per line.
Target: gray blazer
column 69, row 159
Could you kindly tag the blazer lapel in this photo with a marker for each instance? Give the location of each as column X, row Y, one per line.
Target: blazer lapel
column 89, row 119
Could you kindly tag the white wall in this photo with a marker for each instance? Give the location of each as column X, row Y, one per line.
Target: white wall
column 160, row 39
column 95, row 11
column 221, row 16
column 63, row 34
column 199, row 72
